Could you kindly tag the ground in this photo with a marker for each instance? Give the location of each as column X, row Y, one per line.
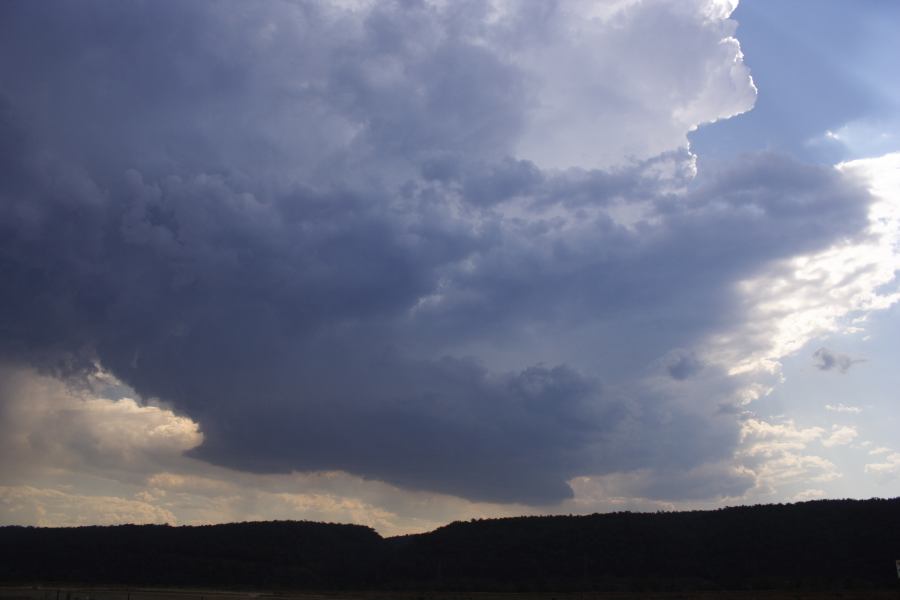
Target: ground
column 76, row 593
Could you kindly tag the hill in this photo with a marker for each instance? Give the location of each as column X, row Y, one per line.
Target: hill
column 828, row 544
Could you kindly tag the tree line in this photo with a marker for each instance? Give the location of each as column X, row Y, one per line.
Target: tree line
column 824, row 544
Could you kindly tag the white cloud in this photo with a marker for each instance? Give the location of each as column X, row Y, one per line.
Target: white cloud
column 840, row 436
column 840, row 407
column 776, row 453
column 629, row 85
column 886, row 470
column 50, row 424
column 789, row 468
column 810, row 494
column 762, row 438
column 28, row 505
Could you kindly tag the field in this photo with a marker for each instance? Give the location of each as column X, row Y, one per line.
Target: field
column 74, row 593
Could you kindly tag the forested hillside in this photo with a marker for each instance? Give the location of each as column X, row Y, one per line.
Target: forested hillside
column 812, row 545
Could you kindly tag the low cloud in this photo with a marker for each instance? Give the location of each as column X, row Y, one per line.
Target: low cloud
column 49, row 423
column 811, row 494
column 27, row 505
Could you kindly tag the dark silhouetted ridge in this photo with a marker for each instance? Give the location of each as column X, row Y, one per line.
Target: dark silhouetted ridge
column 812, row 545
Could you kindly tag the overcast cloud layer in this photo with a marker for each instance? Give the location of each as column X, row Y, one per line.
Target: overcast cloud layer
column 458, row 248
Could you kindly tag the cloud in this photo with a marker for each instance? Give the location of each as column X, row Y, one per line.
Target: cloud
column 48, row 424
column 763, row 437
column 811, row 294
column 778, row 457
column 27, row 505
column 810, row 494
column 840, row 407
column 710, row 481
column 683, row 365
column 888, row 469
column 826, row 360
column 840, row 436
column 218, row 499
column 375, row 240
column 813, row 85
column 83, row 452
column 580, row 63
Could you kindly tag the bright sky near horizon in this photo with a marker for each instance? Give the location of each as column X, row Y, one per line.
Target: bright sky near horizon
column 407, row 262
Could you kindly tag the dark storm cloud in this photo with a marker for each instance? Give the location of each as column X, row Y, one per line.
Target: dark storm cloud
column 287, row 223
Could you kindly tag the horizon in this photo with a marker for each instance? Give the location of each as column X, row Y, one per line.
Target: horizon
column 472, row 520
column 413, row 262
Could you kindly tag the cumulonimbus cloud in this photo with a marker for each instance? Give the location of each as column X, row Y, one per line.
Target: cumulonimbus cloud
column 328, row 234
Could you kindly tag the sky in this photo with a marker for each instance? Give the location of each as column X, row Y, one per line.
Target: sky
column 406, row 262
